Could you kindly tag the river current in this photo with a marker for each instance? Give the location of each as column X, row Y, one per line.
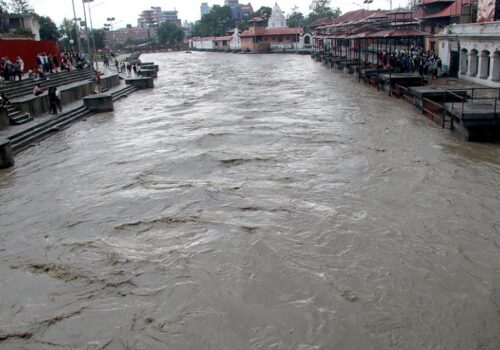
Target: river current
column 252, row 202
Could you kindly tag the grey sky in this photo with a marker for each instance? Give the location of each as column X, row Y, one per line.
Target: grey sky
column 126, row 11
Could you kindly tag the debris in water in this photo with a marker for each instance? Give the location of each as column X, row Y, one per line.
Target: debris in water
column 349, row 296
column 59, row 272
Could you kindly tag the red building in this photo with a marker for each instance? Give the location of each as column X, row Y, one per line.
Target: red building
column 435, row 15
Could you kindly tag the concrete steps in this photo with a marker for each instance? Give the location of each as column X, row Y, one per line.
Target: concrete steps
column 123, row 92
column 18, row 117
column 25, row 87
column 38, row 132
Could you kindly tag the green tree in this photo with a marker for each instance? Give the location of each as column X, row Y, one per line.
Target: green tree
column 3, row 6
column 68, row 32
column 264, row 12
column 48, row 29
column 217, row 22
column 295, row 19
column 322, row 9
column 99, row 36
column 170, row 33
column 20, row 6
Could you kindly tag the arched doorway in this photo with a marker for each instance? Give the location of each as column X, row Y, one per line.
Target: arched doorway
column 495, row 67
column 484, row 72
column 473, row 63
column 307, row 39
column 464, row 61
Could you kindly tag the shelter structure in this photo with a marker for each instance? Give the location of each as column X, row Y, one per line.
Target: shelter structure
column 367, row 36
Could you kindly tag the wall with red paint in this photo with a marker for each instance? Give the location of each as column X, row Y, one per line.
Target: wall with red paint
column 27, row 50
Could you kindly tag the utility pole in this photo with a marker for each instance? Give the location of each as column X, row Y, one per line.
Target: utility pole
column 87, row 32
column 78, row 40
column 93, row 37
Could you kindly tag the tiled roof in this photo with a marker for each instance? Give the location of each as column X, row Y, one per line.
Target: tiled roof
column 392, row 33
column 272, row 31
column 223, row 38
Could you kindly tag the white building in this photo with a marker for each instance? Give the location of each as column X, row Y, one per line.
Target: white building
column 472, row 50
column 277, row 19
column 205, row 43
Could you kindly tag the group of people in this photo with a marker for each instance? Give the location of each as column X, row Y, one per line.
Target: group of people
column 126, row 67
column 427, row 64
column 10, row 71
column 72, row 60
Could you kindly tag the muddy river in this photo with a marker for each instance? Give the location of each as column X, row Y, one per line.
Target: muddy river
column 252, row 202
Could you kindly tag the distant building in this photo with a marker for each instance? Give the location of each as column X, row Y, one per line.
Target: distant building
column 246, row 12
column 277, row 19
column 125, row 35
column 188, row 28
column 259, row 39
column 205, row 9
column 10, row 24
column 155, row 16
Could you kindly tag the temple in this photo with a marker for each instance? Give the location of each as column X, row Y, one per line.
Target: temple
column 277, row 19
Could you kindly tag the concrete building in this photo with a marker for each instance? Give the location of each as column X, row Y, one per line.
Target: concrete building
column 205, row 43
column 472, row 50
column 156, row 16
column 205, row 9
column 246, row 12
column 12, row 23
column 124, row 35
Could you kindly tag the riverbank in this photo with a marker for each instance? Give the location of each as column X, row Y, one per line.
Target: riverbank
column 82, row 104
column 468, row 109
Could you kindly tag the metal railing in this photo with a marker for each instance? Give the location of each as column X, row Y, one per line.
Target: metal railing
column 488, row 94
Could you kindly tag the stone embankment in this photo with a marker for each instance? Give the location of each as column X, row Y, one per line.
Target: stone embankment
column 23, row 123
column 472, row 111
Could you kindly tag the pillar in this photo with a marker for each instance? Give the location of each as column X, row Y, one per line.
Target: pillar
column 495, row 67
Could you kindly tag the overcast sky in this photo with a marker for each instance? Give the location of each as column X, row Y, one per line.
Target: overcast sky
column 126, row 11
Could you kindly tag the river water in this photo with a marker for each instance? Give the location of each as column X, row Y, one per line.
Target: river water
column 252, row 202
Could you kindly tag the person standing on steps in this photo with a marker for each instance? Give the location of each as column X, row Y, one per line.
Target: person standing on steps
column 53, row 101
column 58, row 100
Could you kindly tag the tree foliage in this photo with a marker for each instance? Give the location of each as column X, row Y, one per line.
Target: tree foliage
column 264, row 12
column 48, row 29
column 217, row 22
column 295, row 19
column 322, row 9
column 99, row 36
column 20, row 6
column 170, row 33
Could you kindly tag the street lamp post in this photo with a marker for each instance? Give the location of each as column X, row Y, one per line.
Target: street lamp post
column 76, row 27
column 92, row 30
column 87, row 32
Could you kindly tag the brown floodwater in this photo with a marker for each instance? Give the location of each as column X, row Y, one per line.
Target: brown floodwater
column 252, row 202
